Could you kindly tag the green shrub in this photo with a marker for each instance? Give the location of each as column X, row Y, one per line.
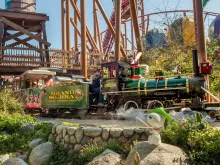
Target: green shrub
column 197, row 138
column 12, row 123
column 9, row 104
column 88, row 152
column 16, row 140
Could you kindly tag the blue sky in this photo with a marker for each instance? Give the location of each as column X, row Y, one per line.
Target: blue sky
column 52, row 9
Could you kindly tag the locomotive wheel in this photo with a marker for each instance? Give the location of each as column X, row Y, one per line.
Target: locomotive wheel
column 130, row 104
column 154, row 104
column 212, row 114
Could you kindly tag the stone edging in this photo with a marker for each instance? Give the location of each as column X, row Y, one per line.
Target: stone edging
column 73, row 138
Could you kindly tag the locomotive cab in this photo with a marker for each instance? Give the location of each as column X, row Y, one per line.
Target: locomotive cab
column 114, row 76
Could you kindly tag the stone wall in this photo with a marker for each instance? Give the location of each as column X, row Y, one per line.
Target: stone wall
column 73, row 138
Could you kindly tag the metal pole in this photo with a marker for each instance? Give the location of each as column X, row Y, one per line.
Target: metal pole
column 75, row 31
column 68, row 39
column 63, row 30
column 83, row 38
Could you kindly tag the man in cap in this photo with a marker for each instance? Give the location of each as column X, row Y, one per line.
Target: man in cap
column 96, row 84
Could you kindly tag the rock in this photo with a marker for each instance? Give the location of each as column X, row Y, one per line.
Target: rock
column 147, row 131
column 41, row 153
column 135, row 137
column 92, row 131
column 59, row 129
column 54, row 128
column 77, row 147
column 71, row 130
column 72, row 140
column 64, row 132
column 66, row 147
column 17, row 154
column 164, row 154
column 14, row 161
column 35, row 142
column 97, row 139
column 108, row 157
column 58, row 139
column 79, row 134
column 27, row 128
column 67, row 139
column 85, row 140
column 4, row 158
column 139, row 130
column 115, row 132
column 143, row 138
column 23, row 157
column 105, row 133
column 51, row 138
column 70, row 163
column 128, row 132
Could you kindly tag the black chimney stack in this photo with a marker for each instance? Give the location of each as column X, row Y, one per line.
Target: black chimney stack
column 195, row 63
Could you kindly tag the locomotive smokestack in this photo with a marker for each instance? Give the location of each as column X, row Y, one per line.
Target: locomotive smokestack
column 195, row 62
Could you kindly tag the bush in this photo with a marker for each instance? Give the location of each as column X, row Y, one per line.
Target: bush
column 88, row 152
column 15, row 140
column 197, row 138
column 9, row 104
column 13, row 123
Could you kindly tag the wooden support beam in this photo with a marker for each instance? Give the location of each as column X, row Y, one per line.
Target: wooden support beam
column 134, row 17
column 21, row 29
column 43, row 24
column 88, row 34
column 68, row 33
column 23, row 41
column 31, row 29
column 118, row 29
column 63, row 24
column 77, row 30
column 83, row 38
column 95, row 21
column 110, row 26
column 1, row 32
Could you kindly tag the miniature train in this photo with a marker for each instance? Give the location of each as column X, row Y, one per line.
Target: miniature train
column 122, row 85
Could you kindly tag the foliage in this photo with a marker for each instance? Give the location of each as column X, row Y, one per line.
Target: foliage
column 11, row 137
column 9, row 104
column 88, row 152
column 197, row 138
column 70, row 124
column 170, row 57
column 12, row 123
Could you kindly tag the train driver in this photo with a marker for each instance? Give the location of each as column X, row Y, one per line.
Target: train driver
column 49, row 81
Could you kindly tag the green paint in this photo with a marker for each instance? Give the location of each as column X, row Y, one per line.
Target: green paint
column 162, row 113
column 204, row 2
column 75, row 97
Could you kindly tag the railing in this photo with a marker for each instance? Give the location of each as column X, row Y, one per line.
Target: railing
column 21, row 56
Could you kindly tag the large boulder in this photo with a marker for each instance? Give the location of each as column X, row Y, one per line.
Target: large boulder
column 108, row 157
column 163, row 154
column 14, row 161
column 3, row 158
column 41, row 154
column 35, row 142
